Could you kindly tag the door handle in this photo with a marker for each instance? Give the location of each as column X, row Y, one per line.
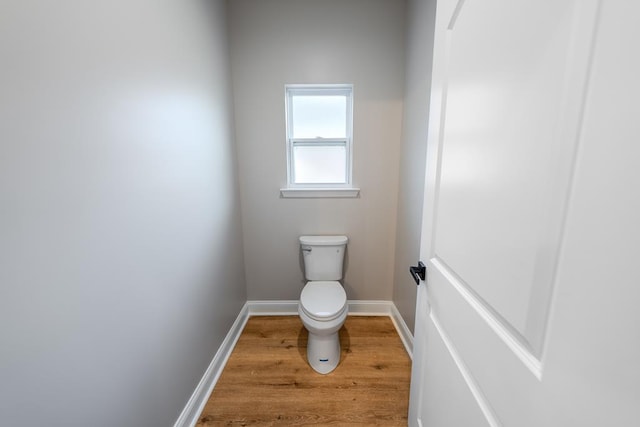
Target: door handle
column 418, row 273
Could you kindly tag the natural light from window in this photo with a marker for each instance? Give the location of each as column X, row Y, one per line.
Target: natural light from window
column 319, row 143
column 319, row 116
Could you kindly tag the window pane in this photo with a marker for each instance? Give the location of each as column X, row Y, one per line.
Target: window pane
column 323, row 116
column 320, row 164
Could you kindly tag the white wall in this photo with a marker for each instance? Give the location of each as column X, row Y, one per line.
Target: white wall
column 275, row 42
column 420, row 25
column 121, row 264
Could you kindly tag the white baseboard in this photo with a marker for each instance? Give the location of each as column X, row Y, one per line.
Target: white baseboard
column 195, row 405
column 369, row 308
column 403, row 330
column 273, row 308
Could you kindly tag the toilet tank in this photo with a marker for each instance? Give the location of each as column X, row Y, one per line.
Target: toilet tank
column 323, row 256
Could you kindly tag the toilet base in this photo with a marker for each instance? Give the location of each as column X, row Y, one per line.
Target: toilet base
column 323, row 342
column 323, row 352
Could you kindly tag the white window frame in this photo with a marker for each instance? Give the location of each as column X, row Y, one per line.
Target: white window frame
column 294, row 189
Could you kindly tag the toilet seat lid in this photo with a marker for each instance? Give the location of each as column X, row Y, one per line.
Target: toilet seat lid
column 323, row 300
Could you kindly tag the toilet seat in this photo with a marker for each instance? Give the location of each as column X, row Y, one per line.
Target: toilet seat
column 323, row 301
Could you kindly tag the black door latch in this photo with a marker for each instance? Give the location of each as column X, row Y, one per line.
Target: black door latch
column 418, row 273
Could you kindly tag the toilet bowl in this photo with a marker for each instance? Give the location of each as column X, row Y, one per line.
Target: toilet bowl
column 323, row 305
column 323, row 310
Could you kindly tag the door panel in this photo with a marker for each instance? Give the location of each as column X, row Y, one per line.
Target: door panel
column 530, row 229
column 494, row 363
column 442, row 389
column 504, row 156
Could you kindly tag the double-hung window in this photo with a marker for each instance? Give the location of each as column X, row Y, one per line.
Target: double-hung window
column 319, row 139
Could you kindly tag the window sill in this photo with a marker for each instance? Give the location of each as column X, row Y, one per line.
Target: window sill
column 312, row 193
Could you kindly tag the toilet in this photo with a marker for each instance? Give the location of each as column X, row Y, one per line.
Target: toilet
column 323, row 301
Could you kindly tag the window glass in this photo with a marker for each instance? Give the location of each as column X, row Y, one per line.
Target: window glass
column 322, row 164
column 319, row 116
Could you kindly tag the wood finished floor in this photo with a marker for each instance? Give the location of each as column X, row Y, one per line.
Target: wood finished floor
column 268, row 382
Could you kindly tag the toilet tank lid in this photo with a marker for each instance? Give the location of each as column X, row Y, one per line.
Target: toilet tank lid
column 324, row 240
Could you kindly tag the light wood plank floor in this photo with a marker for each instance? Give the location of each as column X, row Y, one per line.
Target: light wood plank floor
column 267, row 380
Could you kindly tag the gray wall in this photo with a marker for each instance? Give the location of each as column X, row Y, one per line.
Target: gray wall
column 121, row 265
column 420, row 23
column 274, row 42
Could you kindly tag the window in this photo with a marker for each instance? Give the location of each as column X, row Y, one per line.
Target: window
column 319, row 134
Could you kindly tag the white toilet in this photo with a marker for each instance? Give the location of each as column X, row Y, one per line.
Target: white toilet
column 323, row 302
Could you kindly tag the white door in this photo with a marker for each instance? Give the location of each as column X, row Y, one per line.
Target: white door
column 530, row 315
